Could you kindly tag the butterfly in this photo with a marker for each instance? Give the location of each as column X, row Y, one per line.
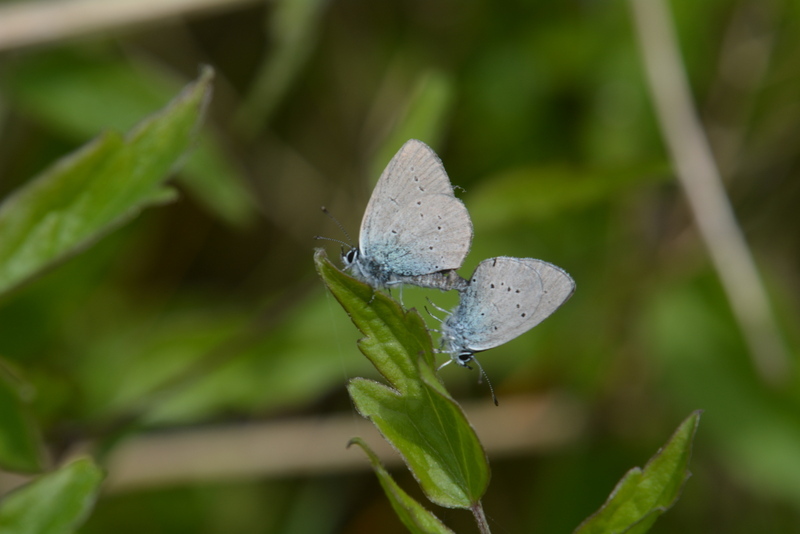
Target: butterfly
column 504, row 298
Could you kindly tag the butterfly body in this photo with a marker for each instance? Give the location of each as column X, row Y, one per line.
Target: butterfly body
column 376, row 274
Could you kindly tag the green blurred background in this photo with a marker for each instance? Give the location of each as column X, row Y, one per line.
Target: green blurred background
column 207, row 312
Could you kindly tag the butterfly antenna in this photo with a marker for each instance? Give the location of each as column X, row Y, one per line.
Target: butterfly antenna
column 488, row 382
column 341, row 227
column 344, row 243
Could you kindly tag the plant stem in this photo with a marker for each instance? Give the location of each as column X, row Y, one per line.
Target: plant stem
column 701, row 182
column 480, row 518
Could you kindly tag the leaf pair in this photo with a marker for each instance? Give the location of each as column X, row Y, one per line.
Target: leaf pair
column 415, row 413
column 66, row 208
column 429, row 430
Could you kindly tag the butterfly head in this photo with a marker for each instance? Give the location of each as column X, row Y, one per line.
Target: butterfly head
column 349, row 257
column 463, row 358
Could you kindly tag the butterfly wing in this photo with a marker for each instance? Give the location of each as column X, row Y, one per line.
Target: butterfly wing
column 413, row 223
column 557, row 288
column 432, row 234
column 507, row 297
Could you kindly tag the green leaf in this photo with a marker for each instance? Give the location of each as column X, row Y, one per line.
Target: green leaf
column 416, row 414
column 94, row 190
column 79, row 95
column 21, row 446
column 644, row 494
column 56, row 503
column 702, row 359
column 413, row 515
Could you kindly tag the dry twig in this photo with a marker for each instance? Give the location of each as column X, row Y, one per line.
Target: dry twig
column 700, row 179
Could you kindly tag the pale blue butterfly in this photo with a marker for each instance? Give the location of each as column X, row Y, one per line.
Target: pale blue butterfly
column 505, row 298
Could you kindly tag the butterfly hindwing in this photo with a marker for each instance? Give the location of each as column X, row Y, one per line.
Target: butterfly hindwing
column 505, row 298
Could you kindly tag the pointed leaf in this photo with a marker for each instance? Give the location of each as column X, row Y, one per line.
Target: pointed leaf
column 78, row 95
column 55, row 503
column 87, row 194
column 413, row 515
column 416, row 414
column 702, row 359
column 644, row 494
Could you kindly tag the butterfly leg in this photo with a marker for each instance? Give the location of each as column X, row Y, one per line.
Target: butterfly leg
column 439, row 308
column 399, row 285
column 445, row 364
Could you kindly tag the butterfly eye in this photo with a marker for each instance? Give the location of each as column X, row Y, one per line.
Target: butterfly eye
column 351, row 255
column 464, row 358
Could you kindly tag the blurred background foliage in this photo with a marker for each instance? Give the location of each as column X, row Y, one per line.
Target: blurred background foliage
column 208, row 311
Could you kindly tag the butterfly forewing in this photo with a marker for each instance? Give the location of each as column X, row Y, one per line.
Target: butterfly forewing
column 439, row 240
column 557, row 287
column 413, row 223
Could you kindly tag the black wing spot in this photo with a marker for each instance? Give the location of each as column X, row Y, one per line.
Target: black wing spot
column 522, row 315
column 495, row 328
column 419, row 203
column 509, row 288
column 430, row 248
column 438, row 227
column 517, row 291
column 517, row 306
column 491, row 285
